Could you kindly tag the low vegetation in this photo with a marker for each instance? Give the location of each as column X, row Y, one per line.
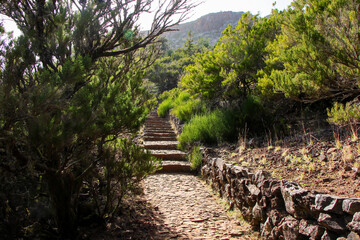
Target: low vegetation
column 72, row 99
column 195, row 158
column 295, row 72
column 210, row 128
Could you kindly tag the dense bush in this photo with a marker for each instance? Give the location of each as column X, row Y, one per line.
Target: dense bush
column 180, row 104
column 70, row 86
column 167, row 70
column 211, row 128
column 164, row 107
column 228, row 74
column 316, row 55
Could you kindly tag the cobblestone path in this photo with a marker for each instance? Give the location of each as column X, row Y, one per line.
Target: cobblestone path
column 183, row 206
column 189, row 210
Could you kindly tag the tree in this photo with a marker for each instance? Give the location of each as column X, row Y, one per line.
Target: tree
column 229, row 73
column 167, row 70
column 70, row 87
column 316, row 56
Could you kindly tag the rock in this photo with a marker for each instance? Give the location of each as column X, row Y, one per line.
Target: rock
column 347, row 167
column 322, row 158
column 328, row 236
column 247, row 213
column 354, row 225
column 290, row 228
column 277, row 203
column 220, row 164
column 272, row 190
column 328, row 203
column 242, row 189
column 275, row 217
column 275, row 233
column 254, row 191
column 265, row 229
column 258, row 215
column 353, row 236
column 297, row 200
column 259, row 177
column 229, row 176
column 222, row 177
column 205, row 171
column 310, row 229
column 332, row 223
column 228, row 191
column 331, row 150
column 263, row 202
column 351, row 206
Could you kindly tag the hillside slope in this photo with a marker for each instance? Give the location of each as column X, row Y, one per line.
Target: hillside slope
column 208, row 27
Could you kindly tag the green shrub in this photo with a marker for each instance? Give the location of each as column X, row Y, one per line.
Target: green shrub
column 182, row 105
column 210, row 128
column 195, row 158
column 164, row 107
column 186, row 109
column 345, row 115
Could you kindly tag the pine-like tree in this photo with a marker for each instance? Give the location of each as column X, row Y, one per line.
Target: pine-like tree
column 71, row 86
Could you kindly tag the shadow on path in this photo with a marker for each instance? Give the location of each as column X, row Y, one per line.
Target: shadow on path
column 138, row 220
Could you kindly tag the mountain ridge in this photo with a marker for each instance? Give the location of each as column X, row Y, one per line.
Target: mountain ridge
column 209, row 27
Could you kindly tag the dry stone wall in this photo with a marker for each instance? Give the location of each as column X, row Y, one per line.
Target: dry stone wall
column 176, row 124
column 281, row 209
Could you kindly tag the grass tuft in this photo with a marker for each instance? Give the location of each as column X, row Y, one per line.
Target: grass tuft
column 164, row 107
column 210, row 128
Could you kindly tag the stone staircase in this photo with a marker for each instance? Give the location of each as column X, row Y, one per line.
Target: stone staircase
column 160, row 139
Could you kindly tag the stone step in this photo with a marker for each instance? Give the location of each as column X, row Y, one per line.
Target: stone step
column 163, row 125
column 156, row 120
column 174, row 166
column 159, row 138
column 161, row 145
column 160, row 134
column 158, row 129
column 169, row 154
column 147, row 131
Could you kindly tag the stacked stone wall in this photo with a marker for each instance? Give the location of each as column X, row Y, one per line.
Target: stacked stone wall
column 176, row 124
column 281, row 209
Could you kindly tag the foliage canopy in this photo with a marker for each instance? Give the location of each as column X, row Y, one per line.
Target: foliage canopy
column 70, row 88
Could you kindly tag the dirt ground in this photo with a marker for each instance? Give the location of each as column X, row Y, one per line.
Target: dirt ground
column 323, row 165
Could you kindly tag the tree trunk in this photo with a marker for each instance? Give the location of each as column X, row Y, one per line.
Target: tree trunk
column 62, row 189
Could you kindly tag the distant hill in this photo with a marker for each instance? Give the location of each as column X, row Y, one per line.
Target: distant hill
column 209, row 27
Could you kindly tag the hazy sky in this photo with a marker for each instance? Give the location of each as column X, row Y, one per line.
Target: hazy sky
column 262, row 7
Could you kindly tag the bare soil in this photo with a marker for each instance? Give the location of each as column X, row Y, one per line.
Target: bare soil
column 323, row 165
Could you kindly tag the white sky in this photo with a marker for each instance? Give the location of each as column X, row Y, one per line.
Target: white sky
column 262, row 7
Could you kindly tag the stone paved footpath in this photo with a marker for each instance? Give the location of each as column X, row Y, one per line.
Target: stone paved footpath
column 189, row 210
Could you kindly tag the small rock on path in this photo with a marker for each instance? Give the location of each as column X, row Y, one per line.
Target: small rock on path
column 190, row 210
